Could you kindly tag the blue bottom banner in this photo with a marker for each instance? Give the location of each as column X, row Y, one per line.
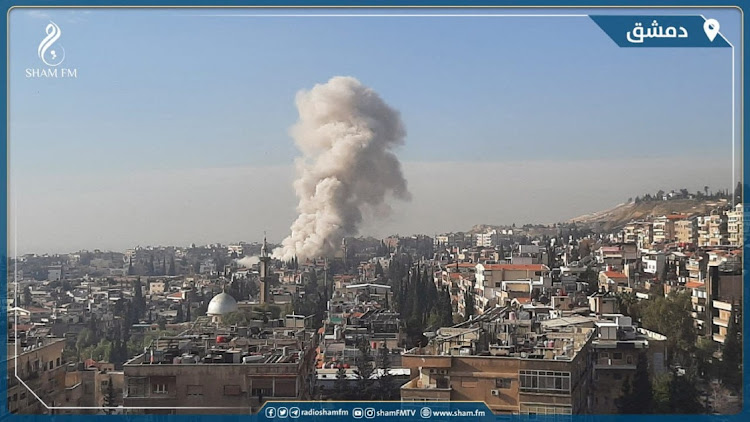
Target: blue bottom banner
column 348, row 411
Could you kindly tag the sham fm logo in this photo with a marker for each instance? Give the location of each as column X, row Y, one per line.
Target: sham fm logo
column 52, row 54
column 48, row 50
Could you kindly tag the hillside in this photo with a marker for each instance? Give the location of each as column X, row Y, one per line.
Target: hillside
column 623, row 213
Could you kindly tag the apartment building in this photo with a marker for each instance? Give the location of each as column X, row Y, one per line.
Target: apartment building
column 486, row 240
column 34, row 365
column 664, row 229
column 616, row 347
column 735, row 225
column 233, row 372
column 686, row 231
column 613, row 281
column 525, row 372
column 641, row 233
column 499, row 283
column 723, row 299
column 712, row 230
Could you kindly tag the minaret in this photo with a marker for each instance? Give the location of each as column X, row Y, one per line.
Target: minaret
column 343, row 246
column 264, row 259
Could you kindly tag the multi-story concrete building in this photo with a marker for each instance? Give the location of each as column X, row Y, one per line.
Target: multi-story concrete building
column 486, row 240
column 521, row 371
column 663, row 229
column 36, row 374
column 192, row 374
column 712, row 230
column 492, row 280
column 616, row 346
column 641, row 233
column 613, row 281
column 723, row 299
column 686, row 231
column 735, row 225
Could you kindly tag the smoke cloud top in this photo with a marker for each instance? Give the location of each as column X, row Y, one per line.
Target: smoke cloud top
column 347, row 171
column 248, row 261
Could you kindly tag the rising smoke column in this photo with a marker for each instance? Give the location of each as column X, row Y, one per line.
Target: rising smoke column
column 346, row 134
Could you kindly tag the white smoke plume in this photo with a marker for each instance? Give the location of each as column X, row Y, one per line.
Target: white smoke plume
column 247, row 261
column 346, row 134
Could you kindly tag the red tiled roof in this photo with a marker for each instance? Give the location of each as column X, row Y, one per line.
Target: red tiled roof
column 523, row 299
column 615, row 274
column 694, row 285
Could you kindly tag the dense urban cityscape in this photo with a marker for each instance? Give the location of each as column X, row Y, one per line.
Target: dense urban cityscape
column 581, row 317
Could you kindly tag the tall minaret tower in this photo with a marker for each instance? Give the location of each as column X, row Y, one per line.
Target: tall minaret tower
column 264, row 259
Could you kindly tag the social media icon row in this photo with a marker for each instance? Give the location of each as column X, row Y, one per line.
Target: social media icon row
column 283, row 412
column 359, row 413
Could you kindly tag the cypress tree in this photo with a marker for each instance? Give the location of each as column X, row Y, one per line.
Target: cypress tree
column 731, row 357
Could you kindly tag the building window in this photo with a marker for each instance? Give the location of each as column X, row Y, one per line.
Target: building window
column 194, row 390
column 604, row 355
column 160, row 389
column 503, row 382
column 629, row 359
column 261, row 392
column 51, row 364
column 137, row 387
column 58, row 361
column 544, row 381
column 617, row 356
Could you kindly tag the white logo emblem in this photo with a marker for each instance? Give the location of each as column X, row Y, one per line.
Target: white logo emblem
column 50, row 53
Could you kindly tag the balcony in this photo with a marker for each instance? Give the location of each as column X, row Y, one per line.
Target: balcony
column 721, row 322
column 608, row 363
column 722, row 305
column 415, row 391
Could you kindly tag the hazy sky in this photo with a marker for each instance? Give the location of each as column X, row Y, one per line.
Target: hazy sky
column 176, row 128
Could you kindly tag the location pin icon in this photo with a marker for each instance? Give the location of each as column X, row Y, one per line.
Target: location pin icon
column 711, row 26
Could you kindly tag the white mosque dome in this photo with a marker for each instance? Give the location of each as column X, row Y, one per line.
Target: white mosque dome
column 221, row 304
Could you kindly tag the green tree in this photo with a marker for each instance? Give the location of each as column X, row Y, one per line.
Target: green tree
column 172, row 269
column 109, row 398
column 738, row 192
column 642, row 390
column 364, row 371
column 341, row 385
column 704, row 356
column 239, row 318
column 638, row 397
column 387, row 388
column 139, row 302
column 625, row 404
column 469, row 299
column 684, row 396
column 662, row 394
column 731, row 357
column 671, row 316
column 27, row 298
column 162, row 322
